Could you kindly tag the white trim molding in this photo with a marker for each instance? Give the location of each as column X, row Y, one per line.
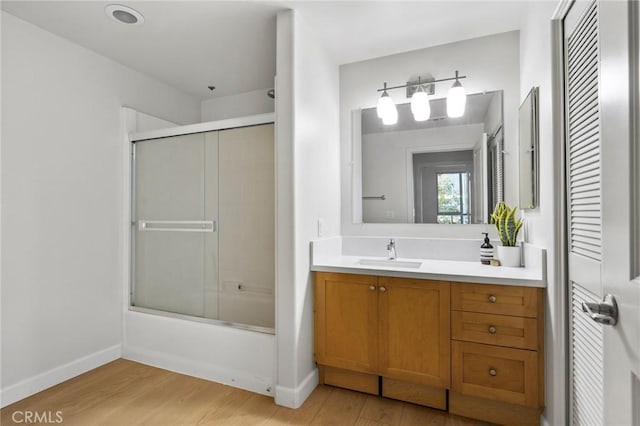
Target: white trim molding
column 295, row 397
column 558, row 355
column 57, row 375
column 634, row 25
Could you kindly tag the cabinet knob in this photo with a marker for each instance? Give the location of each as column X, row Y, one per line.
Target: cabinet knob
column 493, row 372
column 372, row 287
column 492, row 329
column 492, row 299
column 383, row 289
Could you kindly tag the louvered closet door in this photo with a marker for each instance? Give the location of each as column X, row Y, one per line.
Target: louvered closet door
column 584, row 206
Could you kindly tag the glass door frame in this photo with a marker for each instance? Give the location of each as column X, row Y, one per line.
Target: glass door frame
column 255, row 120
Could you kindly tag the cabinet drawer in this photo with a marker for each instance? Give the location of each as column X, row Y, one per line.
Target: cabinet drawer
column 497, row 373
column 495, row 299
column 501, row 330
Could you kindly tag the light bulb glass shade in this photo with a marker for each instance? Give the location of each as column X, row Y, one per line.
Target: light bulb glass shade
column 385, row 103
column 390, row 116
column 456, row 100
column 420, row 106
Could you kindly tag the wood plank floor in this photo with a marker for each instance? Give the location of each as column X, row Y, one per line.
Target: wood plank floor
column 124, row 393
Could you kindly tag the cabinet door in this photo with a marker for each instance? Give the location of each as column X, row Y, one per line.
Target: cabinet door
column 414, row 330
column 346, row 318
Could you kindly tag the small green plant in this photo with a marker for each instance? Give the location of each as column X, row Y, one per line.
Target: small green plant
column 508, row 225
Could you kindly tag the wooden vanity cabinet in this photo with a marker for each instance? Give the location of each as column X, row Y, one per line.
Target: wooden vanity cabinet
column 497, row 353
column 384, row 335
column 474, row 349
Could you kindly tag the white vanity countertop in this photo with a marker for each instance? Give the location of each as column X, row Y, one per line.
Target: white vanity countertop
column 447, row 270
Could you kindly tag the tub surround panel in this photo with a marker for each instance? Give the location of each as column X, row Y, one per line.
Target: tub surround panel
column 453, row 262
column 245, row 358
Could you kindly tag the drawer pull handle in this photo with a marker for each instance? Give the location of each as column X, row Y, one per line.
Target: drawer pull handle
column 372, row 287
column 492, row 329
column 492, row 299
column 493, row 372
column 383, row 289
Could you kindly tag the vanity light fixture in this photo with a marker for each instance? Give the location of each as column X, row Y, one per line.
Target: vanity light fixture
column 420, row 107
column 456, row 101
column 391, row 117
column 386, row 109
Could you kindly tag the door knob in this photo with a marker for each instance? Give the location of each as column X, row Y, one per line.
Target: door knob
column 492, row 299
column 383, row 289
column 493, row 372
column 372, row 287
column 492, row 329
column 605, row 312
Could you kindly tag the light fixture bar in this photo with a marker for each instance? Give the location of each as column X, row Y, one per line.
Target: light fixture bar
column 422, row 84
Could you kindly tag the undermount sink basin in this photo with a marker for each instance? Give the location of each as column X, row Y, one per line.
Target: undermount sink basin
column 389, row 263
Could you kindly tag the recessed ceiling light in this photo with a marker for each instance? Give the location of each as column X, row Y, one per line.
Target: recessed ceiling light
column 124, row 14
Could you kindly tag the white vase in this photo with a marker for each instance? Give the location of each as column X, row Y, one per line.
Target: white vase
column 510, row 256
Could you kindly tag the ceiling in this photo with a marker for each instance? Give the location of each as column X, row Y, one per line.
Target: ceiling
column 232, row 44
column 475, row 113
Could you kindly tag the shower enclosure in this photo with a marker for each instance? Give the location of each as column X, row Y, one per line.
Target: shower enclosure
column 203, row 226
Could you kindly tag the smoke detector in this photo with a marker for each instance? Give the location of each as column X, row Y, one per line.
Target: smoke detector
column 124, row 14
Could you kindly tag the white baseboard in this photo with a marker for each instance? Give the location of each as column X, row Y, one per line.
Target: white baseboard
column 295, row 397
column 214, row 373
column 57, row 375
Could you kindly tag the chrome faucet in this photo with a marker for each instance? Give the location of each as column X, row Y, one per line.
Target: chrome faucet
column 391, row 249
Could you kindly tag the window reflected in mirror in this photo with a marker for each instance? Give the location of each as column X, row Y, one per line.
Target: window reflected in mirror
column 453, row 197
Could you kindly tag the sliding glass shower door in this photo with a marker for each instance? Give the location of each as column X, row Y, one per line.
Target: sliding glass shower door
column 175, row 220
column 203, row 226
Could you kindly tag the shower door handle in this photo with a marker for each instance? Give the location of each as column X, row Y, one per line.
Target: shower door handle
column 178, row 225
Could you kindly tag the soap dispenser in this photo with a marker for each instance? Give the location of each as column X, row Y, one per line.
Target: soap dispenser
column 486, row 250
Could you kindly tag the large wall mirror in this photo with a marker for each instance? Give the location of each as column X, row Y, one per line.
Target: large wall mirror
column 442, row 170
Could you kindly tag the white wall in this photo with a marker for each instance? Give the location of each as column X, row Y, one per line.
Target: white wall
column 145, row 122
column 307, row 145
column 494, row 115
column 63, row 173
column 535, row 70
column 240, row 105
column 491, row 63
column 385, row 161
